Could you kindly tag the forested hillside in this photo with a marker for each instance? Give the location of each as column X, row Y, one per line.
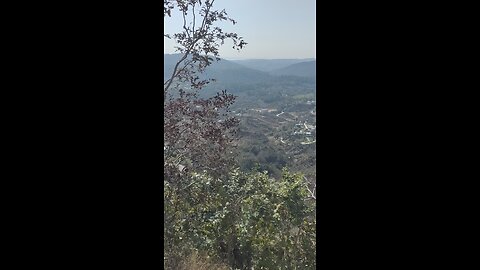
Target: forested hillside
column 269, row 65
column 267, row 138
column 304, row 69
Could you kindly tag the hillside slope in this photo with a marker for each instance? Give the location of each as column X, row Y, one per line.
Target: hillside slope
column 268, row 65
column 304, row 69
column 224, row 71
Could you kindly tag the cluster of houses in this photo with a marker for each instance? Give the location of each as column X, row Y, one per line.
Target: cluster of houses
column 304, row 129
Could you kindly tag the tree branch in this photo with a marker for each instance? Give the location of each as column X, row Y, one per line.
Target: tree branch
column 311, row 191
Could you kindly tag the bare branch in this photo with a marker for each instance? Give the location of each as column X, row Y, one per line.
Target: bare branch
column 311, row 191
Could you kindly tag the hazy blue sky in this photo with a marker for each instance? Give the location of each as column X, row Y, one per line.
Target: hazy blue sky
column 273, row 29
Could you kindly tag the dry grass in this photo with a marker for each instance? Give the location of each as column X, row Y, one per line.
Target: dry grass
column 198, row 262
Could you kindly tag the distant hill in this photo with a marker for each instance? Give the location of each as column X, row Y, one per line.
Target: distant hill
column 251, row 85
column 268, row 65
column 304, row 69
column 237, row 72
column 223, row 71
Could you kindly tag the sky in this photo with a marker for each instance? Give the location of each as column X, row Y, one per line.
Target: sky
column 273, row 29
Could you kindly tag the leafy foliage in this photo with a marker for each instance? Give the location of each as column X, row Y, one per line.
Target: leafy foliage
column 246, row 220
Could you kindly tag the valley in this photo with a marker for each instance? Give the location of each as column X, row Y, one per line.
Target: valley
column 278, row 136
column 277, row 113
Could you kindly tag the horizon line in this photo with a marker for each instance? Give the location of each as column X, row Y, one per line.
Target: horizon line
column 241, row 59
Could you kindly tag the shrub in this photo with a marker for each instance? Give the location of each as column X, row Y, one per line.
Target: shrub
column 244, row 220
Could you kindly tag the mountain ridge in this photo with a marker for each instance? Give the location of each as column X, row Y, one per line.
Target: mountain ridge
column 303, row 69
column 269, row 65
column 228, row 72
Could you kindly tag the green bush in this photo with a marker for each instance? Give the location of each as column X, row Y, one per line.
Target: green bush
column 244, row 220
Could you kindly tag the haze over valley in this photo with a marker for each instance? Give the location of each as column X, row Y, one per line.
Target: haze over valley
column 276, row 103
